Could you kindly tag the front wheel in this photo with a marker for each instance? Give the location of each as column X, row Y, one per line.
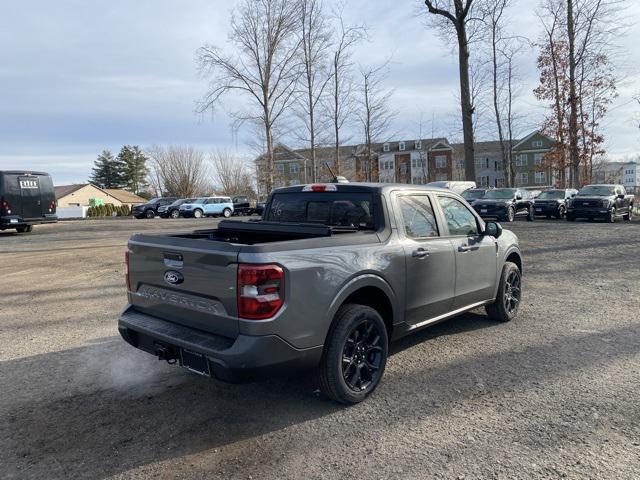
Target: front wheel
column 174, row 214
column 150, row 214
column 611, row 218
column 24, row 229
column 355, row 354
column 531, row 216
column 505, row 307
column 226, row 213
column 197, row 213
column 561, row 212
column 629, row 214
column 511, row 214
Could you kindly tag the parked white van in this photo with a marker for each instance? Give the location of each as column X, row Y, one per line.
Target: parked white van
column 457, row 187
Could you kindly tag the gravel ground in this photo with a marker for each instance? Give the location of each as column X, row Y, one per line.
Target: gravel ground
column 553, row 394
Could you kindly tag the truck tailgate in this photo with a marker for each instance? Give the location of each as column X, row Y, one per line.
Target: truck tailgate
column 186, row 281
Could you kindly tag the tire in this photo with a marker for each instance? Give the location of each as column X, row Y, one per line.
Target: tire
column 531, row 216
column 174, row 214
column 511, row 215
column 226, row 213
column 197, row 213
column 150, row 214
column 346, row 373
column 629, row 215
column 24, row 229
column 561, row 212
column 507, row 302
column 611, row 218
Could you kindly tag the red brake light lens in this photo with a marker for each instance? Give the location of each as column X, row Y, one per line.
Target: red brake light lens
column 126, row 270
column 260, row 291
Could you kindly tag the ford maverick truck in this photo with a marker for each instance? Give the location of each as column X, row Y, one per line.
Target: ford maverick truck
column 329, row 276
column 608, row 202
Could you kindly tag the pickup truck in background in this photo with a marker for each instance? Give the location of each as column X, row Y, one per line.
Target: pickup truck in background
column 505, row 204
column 325, row 281
column 608, row 202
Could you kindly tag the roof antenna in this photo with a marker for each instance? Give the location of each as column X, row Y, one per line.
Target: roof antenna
column 336, row 178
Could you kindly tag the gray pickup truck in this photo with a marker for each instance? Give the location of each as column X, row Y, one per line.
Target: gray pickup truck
column 328, row 277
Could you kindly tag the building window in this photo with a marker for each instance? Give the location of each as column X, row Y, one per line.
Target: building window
column 401, row 146
column 441, row 161
column 499, row 182
column 523, row 178
column 441, row 177
column 280, row 167
column 460, row 163
column 483, row 180
column 521, row 160
column 536, row 143
column 418, row 145
column 294, row 168
column 540, row 177
column 385, row 147
column 537, row 159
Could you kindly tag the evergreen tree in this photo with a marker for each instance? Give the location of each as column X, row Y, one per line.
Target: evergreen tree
column 107, row 171
column 134, row 168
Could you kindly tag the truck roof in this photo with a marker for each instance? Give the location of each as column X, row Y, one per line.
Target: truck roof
column 357, row 187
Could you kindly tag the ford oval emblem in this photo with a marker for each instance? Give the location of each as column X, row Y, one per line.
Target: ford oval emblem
column 172, row 277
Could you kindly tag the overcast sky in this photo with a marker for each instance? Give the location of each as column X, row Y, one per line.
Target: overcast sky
column 77, row 77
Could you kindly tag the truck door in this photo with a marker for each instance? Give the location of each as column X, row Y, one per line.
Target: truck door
column 476, row 258
column 30, row 193
column 429, row 259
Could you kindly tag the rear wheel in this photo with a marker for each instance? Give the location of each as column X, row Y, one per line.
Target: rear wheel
column 174, row 214
column 227, row 212
column 197, row 213
column 505, row 307
column 561, row 212
column 150, row 214
column 24, row 229
column 355, row 354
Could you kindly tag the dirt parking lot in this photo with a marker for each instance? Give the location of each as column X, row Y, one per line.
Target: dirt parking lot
column 553, row 394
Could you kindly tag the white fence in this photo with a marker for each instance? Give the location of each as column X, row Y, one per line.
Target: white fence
column 72, row 212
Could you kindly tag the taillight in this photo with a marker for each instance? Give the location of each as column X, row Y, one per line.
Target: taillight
column 260, row 291
column 6, row 207
column 52, row 207
column 126, row 270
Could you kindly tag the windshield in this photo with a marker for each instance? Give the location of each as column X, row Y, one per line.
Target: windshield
column 596, row 191
column 552, row 195
column 501, row 193
column 473, row 194
column 332, row 209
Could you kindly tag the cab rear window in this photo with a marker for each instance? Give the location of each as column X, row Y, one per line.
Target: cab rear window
column 328, row 208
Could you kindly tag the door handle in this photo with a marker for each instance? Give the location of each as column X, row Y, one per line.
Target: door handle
column 420, row 253
column 466, row 248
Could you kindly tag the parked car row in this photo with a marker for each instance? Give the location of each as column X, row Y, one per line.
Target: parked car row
column 172, row 207
column 608, row 202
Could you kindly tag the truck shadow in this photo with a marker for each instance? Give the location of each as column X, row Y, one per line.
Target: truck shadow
column 103, row 409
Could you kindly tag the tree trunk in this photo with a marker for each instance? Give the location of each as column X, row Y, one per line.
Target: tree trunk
column 465, row 103
column 574, row 157
column 495, row 100
column 336, row 105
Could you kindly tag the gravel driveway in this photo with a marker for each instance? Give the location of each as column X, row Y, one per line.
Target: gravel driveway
column 553, row 394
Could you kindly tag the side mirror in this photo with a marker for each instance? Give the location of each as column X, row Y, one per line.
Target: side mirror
column 493, row 228
column 518, row 197
column 621, row 196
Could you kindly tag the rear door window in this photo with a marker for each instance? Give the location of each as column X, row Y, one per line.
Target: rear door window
column 417, row 216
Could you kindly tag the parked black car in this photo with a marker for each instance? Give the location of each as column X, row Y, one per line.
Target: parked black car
column 553, row 203
column 473, row 194
column 260, row 208
column 241, row 205
column 26, row 199
column 505, row 204
column 173, row 209
column 601, row 201
column 150, row 209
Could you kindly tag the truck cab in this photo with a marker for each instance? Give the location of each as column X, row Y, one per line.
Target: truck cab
column 26, row 199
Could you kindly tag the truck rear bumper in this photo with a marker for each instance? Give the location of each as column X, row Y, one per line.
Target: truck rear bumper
column 242, row 359
column 13, row 221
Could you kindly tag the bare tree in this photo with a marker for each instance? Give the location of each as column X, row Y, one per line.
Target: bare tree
column 457, row 13
column 341, row 103
column 231, row 174
column 179, row 171
column 265, row 66
column 374, row 113
column 315, row 45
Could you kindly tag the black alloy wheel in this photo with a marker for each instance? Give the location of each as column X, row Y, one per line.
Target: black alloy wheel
column 511, row 214
column 362, row 356
column 150, row 214
column 511, row 297
column 611, row 218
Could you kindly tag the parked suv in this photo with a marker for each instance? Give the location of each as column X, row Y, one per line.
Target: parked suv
column 473, row 194
column 330, row 276
column 207, row 206
column 242, row 205
column 553, row 202
column 173, row 209
column 150, row 209
column 505, row 204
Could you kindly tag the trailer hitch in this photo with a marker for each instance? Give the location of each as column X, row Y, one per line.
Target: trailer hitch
column 166, row 354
